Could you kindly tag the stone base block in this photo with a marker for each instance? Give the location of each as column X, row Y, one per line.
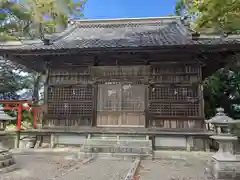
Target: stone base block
column 225, row 170
column 8, row 169
column 7, row 162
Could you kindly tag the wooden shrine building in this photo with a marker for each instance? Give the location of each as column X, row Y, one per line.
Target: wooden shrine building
column 127, row 76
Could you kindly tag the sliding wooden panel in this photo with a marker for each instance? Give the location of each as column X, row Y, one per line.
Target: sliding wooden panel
column 124, row 103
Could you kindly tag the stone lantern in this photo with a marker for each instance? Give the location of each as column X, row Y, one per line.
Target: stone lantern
column 7, row 162
column 225, row 164
column 4, row 119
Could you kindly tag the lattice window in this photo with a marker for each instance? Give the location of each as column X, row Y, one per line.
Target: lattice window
column 176, row 124
column 174, row 69
column 175, row 109
column 67, row 121
column 176, row 78
column 78, row 76
column 174, row 93
column 175, row 73
column 80, row 93
column 72, row 108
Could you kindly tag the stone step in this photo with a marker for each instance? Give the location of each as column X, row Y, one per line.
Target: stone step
column 117, row 150
column 116, row 146
column 119, row 156
column 113, row 142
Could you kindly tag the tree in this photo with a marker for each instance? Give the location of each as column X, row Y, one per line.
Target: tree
column 212, row 15
column 10, row 80
column 35, row 18
column 222, row 89
column 30, row 19
column 216, row 16
column 12, row 19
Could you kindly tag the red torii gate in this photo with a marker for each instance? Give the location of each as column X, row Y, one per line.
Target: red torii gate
column 18, row 106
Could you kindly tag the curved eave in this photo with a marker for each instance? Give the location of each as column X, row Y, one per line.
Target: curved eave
column 29, row 62
column 188, row 48
column 35, row 58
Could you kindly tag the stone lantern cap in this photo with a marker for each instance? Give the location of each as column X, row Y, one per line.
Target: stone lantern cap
column 221, row 118
column 4, row 116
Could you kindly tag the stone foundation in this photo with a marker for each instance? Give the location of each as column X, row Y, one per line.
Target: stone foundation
column 225, row 170
column 187, row 143
column 161, row 141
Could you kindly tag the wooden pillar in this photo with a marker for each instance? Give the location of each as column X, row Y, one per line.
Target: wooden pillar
column 200, row 90
column 206, row 145
column 153, row 143
column 17, row 140
column 146, row 107
column 45, row 79
column 52, row 140
column 35, row 117
column 147, row 137
column 189, row 143
column 94, row 101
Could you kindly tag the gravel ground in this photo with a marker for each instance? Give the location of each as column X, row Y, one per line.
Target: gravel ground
column 46, row 166
column 39, row 167
column 100, row 169
column 188, row 168
column 65, row 166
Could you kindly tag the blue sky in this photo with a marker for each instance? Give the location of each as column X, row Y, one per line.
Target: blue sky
column 102, row 9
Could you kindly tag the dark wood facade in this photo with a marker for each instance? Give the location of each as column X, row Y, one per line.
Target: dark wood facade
column 125, row 90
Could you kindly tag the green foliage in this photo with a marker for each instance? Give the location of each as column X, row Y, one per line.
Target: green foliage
column 220, row 14
column 179, row 8
column 212, row 15
column 4, row 36
column 27, row 116
column 35, row 18
column 10, row 79
column 48, row 15
column 13, row 19
column 222, row 89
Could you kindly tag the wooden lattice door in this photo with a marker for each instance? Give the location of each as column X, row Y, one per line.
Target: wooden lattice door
column 121, row 105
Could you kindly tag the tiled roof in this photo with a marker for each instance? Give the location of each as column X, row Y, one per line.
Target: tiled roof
column 119, row 33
